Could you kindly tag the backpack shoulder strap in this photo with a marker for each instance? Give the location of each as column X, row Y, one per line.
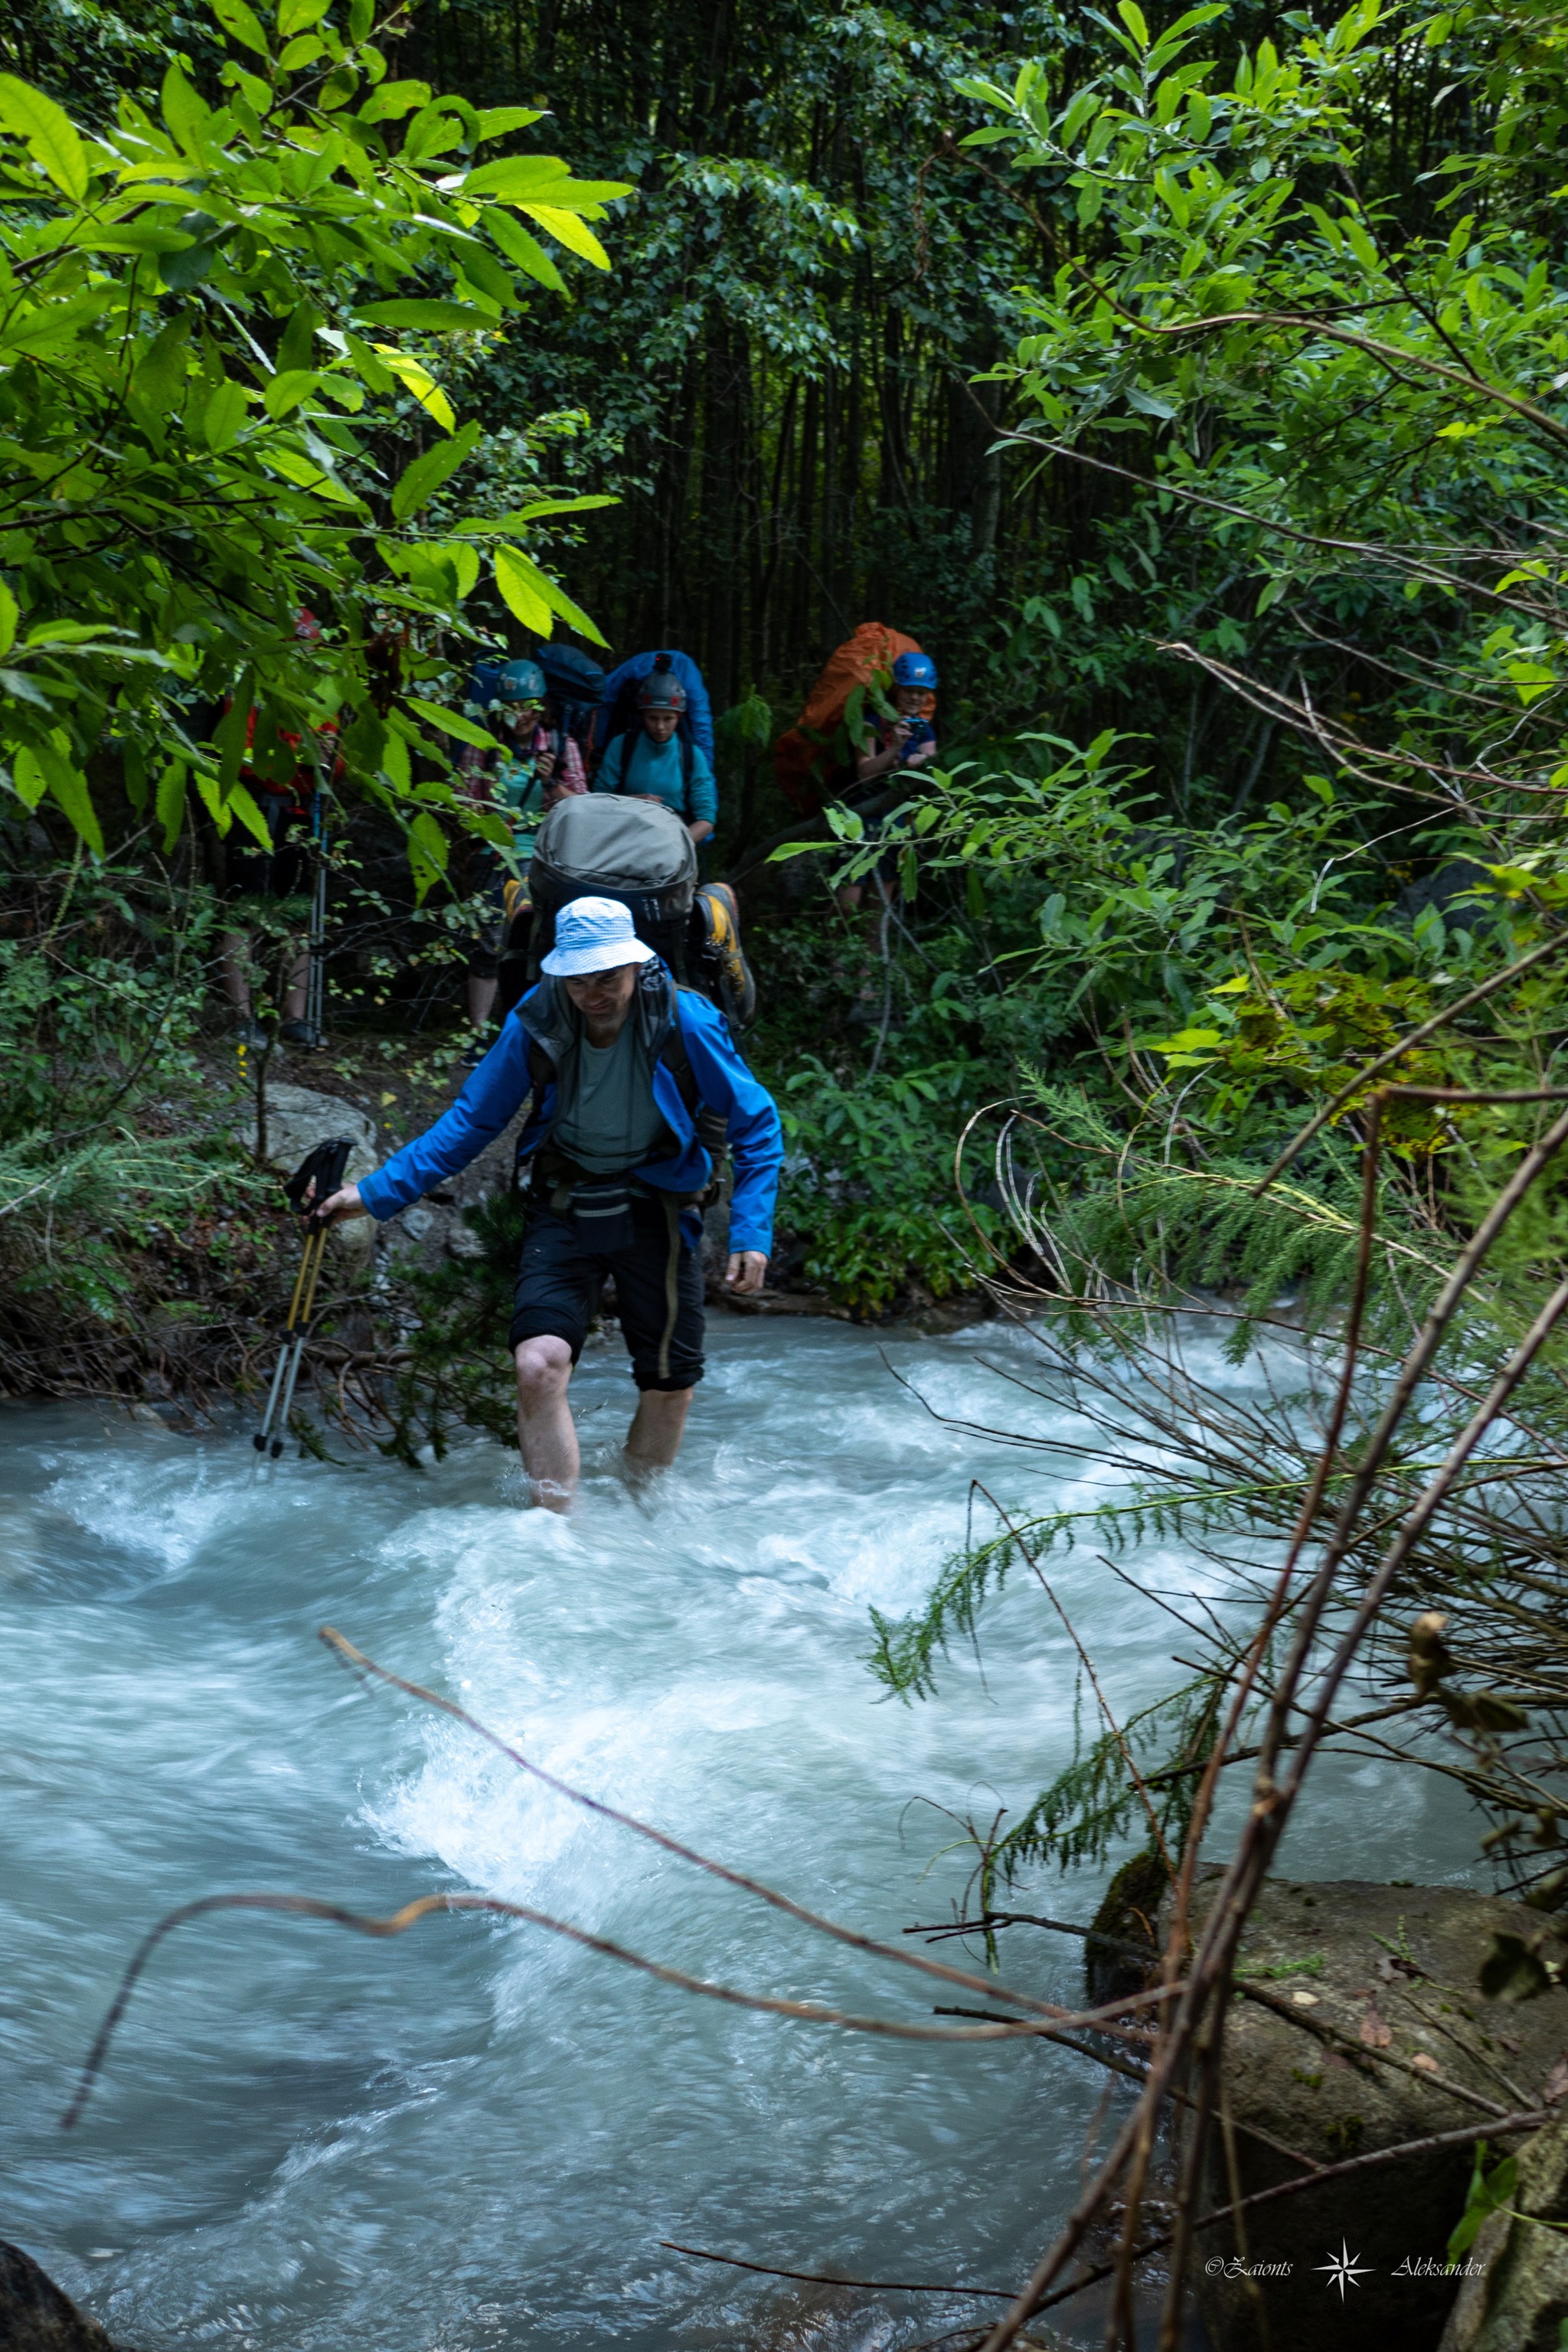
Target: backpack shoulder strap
column 686, row 756
column 712, row 1127
column 676, row 1060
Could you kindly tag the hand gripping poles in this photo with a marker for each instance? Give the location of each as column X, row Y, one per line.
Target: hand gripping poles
column 321, row 1170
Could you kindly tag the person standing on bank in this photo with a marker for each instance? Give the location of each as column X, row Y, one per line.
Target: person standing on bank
column 633, row 1081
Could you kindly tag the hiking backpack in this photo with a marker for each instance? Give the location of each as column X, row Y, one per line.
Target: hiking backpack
column 600, row 846
column 574, row 682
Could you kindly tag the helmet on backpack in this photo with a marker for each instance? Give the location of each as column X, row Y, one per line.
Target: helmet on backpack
column 519, row 681
column 661, row 689
column 916, row 670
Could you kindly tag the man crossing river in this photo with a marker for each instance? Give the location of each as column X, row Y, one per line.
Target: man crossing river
column 635, row 1086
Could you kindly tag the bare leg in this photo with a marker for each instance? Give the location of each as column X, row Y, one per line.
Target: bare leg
column 234, row 963
column 545, row 1435
column 482, row 1001
column 295, row 998
column 654, row 1438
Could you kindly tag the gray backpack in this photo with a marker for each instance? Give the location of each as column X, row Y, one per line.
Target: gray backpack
column 598, row 845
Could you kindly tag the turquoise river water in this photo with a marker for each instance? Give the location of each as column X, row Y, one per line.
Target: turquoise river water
column 474, row 2138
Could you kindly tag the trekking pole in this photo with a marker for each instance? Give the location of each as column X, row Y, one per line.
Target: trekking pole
column 316, row 984
column 321, row 1169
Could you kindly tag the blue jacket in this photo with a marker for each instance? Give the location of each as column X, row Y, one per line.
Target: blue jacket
column 501, row 1084
column 698, row 708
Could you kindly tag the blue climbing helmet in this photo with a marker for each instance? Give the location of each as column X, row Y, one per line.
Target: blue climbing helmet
column 519, row 681
column 916, row 670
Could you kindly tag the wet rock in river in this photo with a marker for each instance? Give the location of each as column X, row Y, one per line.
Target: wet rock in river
column 1517, row 2301
column 1361, row 2026
column 35, row 2315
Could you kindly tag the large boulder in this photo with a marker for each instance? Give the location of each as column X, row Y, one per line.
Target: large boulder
column 1374, row 2008
column 1514, row 2297
column 297, row 1119
column 36, row 2317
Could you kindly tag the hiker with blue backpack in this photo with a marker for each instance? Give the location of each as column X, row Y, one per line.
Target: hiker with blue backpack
column 655, row 754
column 617, row 697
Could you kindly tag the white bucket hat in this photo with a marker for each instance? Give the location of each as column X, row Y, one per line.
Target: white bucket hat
column 592, row 935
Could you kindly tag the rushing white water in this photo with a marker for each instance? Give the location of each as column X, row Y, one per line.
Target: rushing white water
column 477, row 2136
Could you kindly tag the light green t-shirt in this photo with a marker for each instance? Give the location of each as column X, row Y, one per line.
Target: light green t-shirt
column 608, row 1119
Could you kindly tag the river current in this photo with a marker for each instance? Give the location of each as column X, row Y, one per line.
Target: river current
column 473, row 2138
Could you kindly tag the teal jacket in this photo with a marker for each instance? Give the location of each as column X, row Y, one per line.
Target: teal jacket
column 635, row 763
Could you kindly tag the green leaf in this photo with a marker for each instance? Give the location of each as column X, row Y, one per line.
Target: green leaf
column 184, row 113
column 514, row 177
column 1132, row 17
column 238, row 21
column 521, row 587
column 27, row 777
column 522, row 519
column 495, row 122
column 285, row 391
column 9, row 617
column 307, row 475
column 53, row 323
column 422, row 479
column 298, row 16
column 67, row 788
column 571, row 612
column 435, row 316
column 419, row 380
column 517, row 245
column 158, row 379
column 451, row 722
column 50, row 136
column 569, row 231
column 220, row 421
column 170, row 802
column 394, row 99
column 484, row 275
column 426, row 850
column 243, row 805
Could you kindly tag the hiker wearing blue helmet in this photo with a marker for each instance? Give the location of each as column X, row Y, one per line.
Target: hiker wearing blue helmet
column 910, row 740
column 906, row 741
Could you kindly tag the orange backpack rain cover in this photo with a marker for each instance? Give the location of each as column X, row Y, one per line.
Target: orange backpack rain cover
column 802, row 765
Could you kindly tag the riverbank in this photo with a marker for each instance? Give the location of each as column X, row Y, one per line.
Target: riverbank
column 183, row 1319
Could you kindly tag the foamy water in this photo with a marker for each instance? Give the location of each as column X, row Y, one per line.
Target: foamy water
column 476, row 2136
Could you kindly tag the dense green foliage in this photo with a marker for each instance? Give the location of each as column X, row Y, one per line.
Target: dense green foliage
column 208, row 423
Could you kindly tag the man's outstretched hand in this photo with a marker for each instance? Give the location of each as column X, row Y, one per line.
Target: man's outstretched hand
column 747, row 1271
column 344, row 1203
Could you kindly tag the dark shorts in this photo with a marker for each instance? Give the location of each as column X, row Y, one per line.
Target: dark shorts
column 559, row 1275
column 285, row 871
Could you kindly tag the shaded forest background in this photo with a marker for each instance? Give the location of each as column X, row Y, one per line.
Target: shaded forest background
column 783, row 380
